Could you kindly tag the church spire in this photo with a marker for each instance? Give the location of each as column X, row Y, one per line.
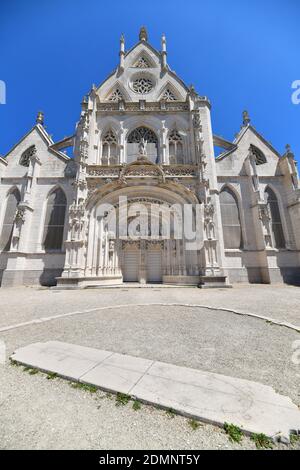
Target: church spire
column 143, row 36
column 246, row 118
column 288, row 152
column 40, row 118
column 164, row 52
column 122, row 51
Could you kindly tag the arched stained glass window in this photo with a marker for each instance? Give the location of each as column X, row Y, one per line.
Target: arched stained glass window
column 275, row 219
column 260, row 158
column 55, row 220
column 12, row 202
column 230, row 220
column 25, row 157
column 175, row 147
column 109, row 149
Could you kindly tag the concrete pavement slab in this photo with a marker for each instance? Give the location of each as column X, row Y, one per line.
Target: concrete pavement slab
column 68, row 360
column 210, row 397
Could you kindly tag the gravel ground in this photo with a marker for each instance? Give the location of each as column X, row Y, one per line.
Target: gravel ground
column 49, row 414
column 41, row 413
column 280, row 302
column 221, row 342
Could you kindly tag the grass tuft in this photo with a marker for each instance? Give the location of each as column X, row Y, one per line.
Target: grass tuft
column 170, row 412
column 295, row 438
column 122, row 399
column 136, row 405
column 85, row 387
column 194, row 424
column 51, row 375
column 262, row 441
column 14, row 363
column 30, row 370
column 234, row 433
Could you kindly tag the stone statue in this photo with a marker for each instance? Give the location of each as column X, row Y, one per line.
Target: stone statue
column 143, row 36
column 208, row 220
column 246, row 118
column 197, row 120
column 143, row 147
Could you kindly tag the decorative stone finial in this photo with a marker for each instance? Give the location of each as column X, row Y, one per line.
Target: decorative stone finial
column 246, row 118
column 40, row 118
column 143, row 34
column 288, row 150
column 192, row 92
column 164, row 52
column 122, row 52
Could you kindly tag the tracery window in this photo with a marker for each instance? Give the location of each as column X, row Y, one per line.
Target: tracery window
column 275, row 219
column 142, row 133
column 135, row 137
column 259, row 156
column 230, row 219
column 109, row 148
column 142, row 63
column 168, row 95
column 55, row 220
column 116, row 96
column 25, row 157
column 12, row 202
column 175, row 147
column 142, row 85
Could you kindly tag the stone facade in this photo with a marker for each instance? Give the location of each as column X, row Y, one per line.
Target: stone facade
column 145, row 136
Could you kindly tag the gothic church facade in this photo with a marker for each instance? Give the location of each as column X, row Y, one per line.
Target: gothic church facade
column 145, row 135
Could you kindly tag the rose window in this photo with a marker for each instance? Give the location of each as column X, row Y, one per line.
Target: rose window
column 142, row 85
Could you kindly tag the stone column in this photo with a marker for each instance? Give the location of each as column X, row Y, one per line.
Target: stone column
column 122, row 156
column 76, row 241
column 207, row 192
column 164, row 158
column 143, row 260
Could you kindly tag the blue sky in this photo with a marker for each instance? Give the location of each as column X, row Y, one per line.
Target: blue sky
column 241, row 54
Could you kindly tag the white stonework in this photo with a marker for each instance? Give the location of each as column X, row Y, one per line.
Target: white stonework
column 145, row 135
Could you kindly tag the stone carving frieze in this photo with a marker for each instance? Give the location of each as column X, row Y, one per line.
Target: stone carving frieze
column 180, row 171
column 103, row 172
column 142, row 170
column 134, row 107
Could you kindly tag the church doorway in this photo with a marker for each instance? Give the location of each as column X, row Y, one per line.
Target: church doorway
column 154, row 266
column 131, row 266
column 142, row 262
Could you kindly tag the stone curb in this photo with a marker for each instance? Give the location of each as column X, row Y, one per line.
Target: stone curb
column 159, row 304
